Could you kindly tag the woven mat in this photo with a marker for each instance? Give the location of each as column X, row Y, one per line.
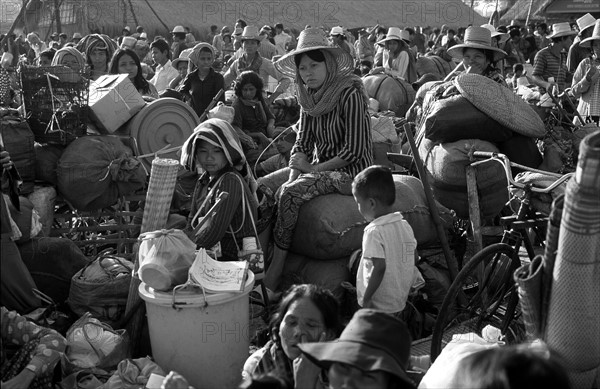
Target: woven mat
column 501, row 104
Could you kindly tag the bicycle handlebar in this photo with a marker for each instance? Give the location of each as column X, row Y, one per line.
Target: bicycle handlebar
column 503, row 159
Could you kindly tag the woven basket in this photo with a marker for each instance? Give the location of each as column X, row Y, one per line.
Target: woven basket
column 160, row 194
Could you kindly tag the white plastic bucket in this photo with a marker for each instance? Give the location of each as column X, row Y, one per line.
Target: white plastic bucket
column 208, row 345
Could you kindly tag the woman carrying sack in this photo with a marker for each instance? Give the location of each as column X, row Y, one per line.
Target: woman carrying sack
column 215, row 149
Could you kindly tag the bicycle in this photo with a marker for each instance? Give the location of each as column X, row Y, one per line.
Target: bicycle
column 484, row 291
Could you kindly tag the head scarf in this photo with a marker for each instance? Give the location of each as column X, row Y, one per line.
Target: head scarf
column 194, row 56
column 91, row 41
column 325, row 99
column 221, row 134
column 60, row 54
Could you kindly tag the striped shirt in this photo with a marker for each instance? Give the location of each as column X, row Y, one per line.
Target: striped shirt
column 345, row 132
column 547, row 64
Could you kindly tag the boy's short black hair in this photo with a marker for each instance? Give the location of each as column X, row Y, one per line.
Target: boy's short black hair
column 517, row 67
column 376, row 182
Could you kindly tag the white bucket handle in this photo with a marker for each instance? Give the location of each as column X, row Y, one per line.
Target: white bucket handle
column 177, row 305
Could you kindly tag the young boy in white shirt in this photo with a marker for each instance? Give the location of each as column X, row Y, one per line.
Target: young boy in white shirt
column 387, row 267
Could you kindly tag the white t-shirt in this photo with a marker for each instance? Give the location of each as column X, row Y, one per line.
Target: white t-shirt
column 280, row 41
column 389, row 237
column 163, row 76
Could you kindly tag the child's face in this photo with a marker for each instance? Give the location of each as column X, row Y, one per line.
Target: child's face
column 284, row 145
column 182, row 68
column 205, row 60
column 44, row 61
column 70, row 61
column 249, row 92
column 366, row 206
column 211, row 158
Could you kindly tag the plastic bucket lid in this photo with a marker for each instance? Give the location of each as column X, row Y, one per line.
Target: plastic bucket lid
column 189, row 299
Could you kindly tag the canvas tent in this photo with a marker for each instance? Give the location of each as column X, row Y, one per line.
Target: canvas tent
column 158, row 17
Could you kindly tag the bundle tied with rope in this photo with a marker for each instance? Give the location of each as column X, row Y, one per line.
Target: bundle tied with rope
column 94, row 171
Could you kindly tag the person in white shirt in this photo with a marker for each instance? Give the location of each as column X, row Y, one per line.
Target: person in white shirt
column 281, row 39
column 164, row 72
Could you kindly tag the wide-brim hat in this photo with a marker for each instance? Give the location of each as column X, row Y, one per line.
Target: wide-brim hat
column 314, row 39
column 586, row 21
column 372, row 341
column 336, row 31
column 501, row 104
column 495, row 34
column 476, row 38
column 587, row 42
column 395, row 33
column 184, row 56
column 561, row 29
column 251, row 33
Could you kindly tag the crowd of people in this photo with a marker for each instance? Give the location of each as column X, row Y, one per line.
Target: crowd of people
column 328, row 150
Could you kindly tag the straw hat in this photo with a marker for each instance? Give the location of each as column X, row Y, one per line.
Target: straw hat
column 501, row 104
column 503, row 35
column 251, row 33
column 585, row 22
column 395, row 33
column 336, row 31
column 476, row 38
column 77, row 35
column 561, row 29
column 372, row 341
column 587, row 42
column 309, row 40
column 183, row 56
column 178, row 29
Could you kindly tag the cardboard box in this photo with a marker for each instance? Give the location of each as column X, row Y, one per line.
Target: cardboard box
column 114, row 100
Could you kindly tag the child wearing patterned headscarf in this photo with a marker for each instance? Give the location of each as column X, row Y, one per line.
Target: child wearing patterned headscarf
column 70, row 57
column 214, row 148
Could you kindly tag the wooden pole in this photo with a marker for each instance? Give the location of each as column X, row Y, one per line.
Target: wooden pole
column 433, row 208
column 135, row 20
column 57, row 15
column 529, row 13
column 20, row 16
column 157, row 16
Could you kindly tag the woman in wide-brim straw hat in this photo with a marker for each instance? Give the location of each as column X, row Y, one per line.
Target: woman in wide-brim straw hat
column 586, row 80
column 398, row 60
column 478, row 55
column 334, row 137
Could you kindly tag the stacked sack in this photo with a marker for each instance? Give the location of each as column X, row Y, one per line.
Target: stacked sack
column 474, row 113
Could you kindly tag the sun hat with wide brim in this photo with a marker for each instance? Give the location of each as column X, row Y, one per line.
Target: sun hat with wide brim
column 561, row 29
column 501, row 104
column 309, row 40
column 495, row 34
column 587, row 42
column 372, row 341
column 251, row 33
column 395, row 33
column 585, row 22
column 184, row 56
column 476, row 38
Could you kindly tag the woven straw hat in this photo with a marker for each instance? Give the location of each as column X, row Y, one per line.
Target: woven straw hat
column 501, row 104
column 179, row 29
column 251, row 33
column 503, row 35
column 586, row 21
column 309, row 40
column 395, row 33
column 561, row 29
column 587, row 42
column 183, row 56
column 476, row 38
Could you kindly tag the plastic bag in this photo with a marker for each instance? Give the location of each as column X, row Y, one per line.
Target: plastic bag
column 93, row 344
column 133, row 374
column 165, row 257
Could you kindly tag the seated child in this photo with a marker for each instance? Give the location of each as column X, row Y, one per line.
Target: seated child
column 284, row 141
column 202, row 85
column 387, row 266
column 253, row 119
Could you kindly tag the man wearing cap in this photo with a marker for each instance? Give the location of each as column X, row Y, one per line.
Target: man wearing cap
column 576, row 52
column 126, row 32
column 252, row 60
column 550, row 64
column 338, row 37
column 76, row 37
column 281, row 39
column 164, row 71
column 179, row 41
column 53, row 40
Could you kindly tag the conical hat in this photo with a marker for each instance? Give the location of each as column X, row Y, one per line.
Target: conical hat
column 501, row 104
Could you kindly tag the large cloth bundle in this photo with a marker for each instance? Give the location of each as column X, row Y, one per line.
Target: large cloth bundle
column 17, row 138
column 330, row 226
column 446, row 163
column 94, row 171
column 392, row 93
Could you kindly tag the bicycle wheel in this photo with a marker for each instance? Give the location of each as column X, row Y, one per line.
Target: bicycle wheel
column 482, row 293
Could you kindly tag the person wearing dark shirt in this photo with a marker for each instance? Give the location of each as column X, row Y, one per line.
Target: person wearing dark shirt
column 202, row 85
